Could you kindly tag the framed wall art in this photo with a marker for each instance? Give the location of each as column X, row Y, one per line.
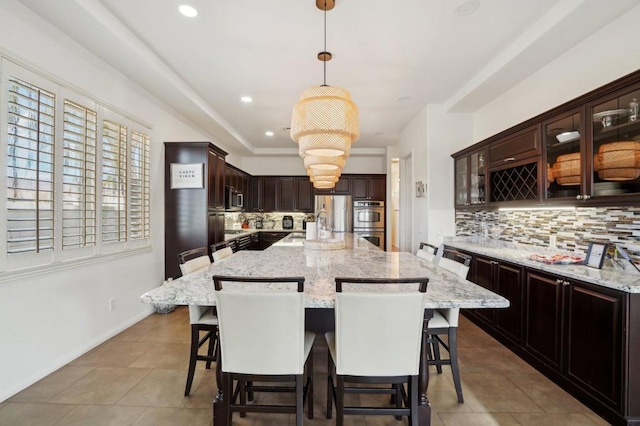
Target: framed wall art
column 187, row 175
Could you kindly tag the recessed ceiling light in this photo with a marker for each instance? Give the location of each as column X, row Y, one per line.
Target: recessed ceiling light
column 268, row 133
column 404, row 98
column 467, row 7
column 246, row 99
column 188, row 11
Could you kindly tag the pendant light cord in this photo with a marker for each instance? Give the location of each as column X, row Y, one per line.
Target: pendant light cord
column 325, row 45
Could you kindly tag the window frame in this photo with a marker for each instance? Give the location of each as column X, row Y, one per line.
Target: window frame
column 37, row 262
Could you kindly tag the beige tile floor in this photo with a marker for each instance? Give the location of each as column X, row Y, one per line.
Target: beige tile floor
column 138, row 377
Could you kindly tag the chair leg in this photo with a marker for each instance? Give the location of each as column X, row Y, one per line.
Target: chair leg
column 195, row 337
column 340, row 401
column 398, row 398
column 330, row 368
column 413, row 398
column 310, row 385
column 227, row 386
column 243, row 395
column 453, row 356
column 212, row 346
column 299, row 399
column 436, row 352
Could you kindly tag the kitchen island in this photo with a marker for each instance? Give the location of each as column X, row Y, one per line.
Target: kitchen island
column 320, row 268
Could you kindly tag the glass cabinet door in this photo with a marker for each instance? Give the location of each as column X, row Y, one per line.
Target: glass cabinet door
column 477, row 178
column 462, row 176
column 615, row 126
column 563, row 138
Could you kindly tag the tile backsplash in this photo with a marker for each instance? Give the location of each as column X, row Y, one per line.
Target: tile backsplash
column 571, row 229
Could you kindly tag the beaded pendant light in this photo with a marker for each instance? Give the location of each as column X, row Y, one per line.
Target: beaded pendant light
column 324, row 122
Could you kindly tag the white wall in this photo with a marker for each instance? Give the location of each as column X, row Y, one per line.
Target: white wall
column 605, row 56
column 49, row 319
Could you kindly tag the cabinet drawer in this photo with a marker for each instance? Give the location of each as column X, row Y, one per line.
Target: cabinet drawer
column 518, row 146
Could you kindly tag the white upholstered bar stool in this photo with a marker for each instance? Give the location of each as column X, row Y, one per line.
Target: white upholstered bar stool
column 377, row 341
column 220, row 251
column 445, row 321
column 263, row 339
column 202, row 318
column 427, row 252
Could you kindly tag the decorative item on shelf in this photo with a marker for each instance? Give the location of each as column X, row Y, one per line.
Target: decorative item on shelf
column 565, row 137
column 566, row 170
column 634, row 109
column 324, row 122
column 607, row 117
column 550, row 177
column 618, row 161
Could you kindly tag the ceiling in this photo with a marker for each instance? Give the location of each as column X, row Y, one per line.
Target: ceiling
column 394, row 57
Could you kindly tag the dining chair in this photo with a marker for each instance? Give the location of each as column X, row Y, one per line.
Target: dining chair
column 263, row 339
column 445, row 321
column 201, row 318
column 221, row 250
column 427, row 251
column 377, row 341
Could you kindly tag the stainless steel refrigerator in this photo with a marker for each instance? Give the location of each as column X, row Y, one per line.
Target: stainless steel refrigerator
column 339, row 211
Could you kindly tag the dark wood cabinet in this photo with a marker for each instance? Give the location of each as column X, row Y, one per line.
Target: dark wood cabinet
column 369, row 187
column 585, row 152
column 543, row 331
column 594, row 339
column 267, row 238
column 343, row 187
column 281, row 193
column 583, row 336
column 194, row 217
column 506, row 279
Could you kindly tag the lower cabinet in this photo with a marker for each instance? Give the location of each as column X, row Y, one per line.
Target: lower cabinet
column 583, row 336
column 505, row 279
column 268, row 238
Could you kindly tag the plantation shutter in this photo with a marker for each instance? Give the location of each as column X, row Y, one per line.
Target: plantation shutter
column 114, row 182
column 30, row 157
column 139, row 189
column 79, row 177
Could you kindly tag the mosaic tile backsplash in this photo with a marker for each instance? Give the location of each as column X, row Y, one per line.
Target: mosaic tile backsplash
column 572, row 229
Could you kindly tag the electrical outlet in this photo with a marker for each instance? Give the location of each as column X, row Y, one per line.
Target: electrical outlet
column 112, row 304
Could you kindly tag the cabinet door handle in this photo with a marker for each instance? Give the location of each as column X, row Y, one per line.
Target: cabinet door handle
column 509, row 159
column 579, row 197
column 565, row 283
column 586, row 197
column 559, row 281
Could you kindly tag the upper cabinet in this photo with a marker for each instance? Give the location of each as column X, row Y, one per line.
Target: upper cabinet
column 281, row 193
column 565, row 147
column 471, row 179
column 585, row 152
column 613, row 164
column 369, row 187
column 343, row 187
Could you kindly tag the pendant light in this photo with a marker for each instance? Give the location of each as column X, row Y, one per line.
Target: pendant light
column 324, row 122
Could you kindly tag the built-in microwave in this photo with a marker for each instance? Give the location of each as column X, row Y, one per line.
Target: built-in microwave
column 234, row 200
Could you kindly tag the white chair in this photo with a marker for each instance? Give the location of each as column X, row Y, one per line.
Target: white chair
column 263, row 339
column 220, row 251
column 202, row 318
column 377, row 341
column 427, row 252
column 445, row 321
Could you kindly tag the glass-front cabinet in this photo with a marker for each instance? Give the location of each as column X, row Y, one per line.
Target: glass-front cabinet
column 615, row 144
column 564, row 149
column 471, row 179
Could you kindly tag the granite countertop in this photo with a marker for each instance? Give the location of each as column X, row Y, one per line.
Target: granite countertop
column 627, row 280
column 359, row 259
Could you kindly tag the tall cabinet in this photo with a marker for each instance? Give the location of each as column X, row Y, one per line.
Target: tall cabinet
column 194, row 182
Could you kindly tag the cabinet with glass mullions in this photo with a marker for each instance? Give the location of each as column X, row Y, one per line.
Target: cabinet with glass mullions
column 564, row 150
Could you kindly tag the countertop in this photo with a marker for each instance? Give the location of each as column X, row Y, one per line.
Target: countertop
column 359, row 259
column 627, row 280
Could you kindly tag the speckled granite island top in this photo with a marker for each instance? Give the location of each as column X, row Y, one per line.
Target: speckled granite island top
column 624, row 280
column 359, row 259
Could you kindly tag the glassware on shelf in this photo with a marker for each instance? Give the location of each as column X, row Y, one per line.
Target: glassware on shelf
column 633, row 110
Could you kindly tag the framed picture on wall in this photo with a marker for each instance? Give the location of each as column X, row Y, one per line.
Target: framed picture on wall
column 596, row 254
column 187, row 175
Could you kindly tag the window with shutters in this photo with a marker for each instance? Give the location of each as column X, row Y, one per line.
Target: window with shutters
column 77, row 174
